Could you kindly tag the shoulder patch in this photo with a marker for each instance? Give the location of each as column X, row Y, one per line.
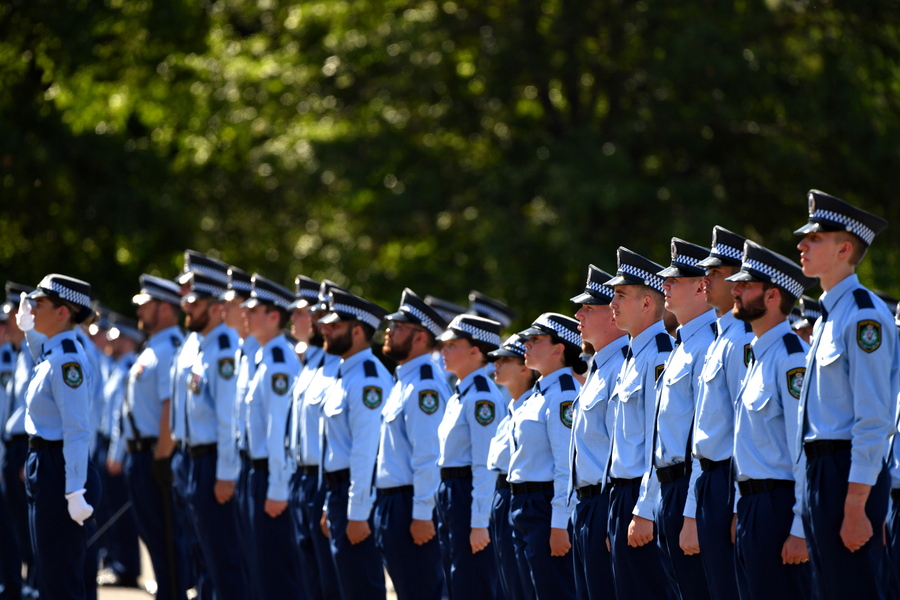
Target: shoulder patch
column 426, row 372
column 224, row 342
column 175, row 341
column 277, row 355
column 484, row 412
column 868, row 335
column 72, row 374
column 280, row 383
column 370, row 369
column 226, row 368
column 795, row 381
column 663, row 342
column 748, row 354
column 69, row 347
column 372, row 396
column 863, row 298
column 481, row 384
column 566, row 383
column 566, row 414
column 659, row 371
column 429, row 401
column 792, row 343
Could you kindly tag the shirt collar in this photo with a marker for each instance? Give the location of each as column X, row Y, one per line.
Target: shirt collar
column 351, row 361
column 408, row 369
column 173, row 330
column 646, row 336
column 207, row 339
column 766, row 340
column 58, row 339
column 611, row 350
column 466, row 381
column 830, row 298
column 547, row 381
column 696, row 324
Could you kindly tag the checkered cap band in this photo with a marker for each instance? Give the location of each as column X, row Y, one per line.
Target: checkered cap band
column 269, row 296
column 651, row 279
column 205, row 287
column 560, row 329
column 852, row 225
column 490, row 312
column 65, row 292
column 779, row 278
column 312, row 296
column 478, row 334
column 358, row 314
column 210, row 271
column 600, row 288
column 424, row 320
column 239, row 285
column 686, row 260
column 727, row 251
column 811, row 313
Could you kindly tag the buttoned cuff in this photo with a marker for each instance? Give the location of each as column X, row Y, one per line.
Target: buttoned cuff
column 797, row 527
column 690, row 507
column 559, row 519
column 423, row 511
column 277, row 492
column 356, row 512
column 864, row 474
column 479, row 521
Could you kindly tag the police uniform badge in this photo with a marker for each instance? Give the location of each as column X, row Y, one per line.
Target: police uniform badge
column 372, row 396
column 566, row 413
column 748, row 354
column 795, row 381
column 194, row 383
column 5, row 376
column 868, row 335
column 659, row 371
column 226, row 368
column 428, row 401
column 72, row 374
column 484, row 412
column 280, row 383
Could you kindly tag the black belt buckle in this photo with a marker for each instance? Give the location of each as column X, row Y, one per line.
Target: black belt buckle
column 260, row 464
column 333, row 478
column 395, row 490
column 140, row 445
column 530, row 486
column 502, row 482
column 709, row 465
column 456, row 472
column 820, row 448
column 588, row 491
column 39, row 443
column 201, row 450
column 670, row 473
column 757, row 486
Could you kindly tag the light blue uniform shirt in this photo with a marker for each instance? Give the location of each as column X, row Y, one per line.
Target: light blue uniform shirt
column 95, row 358
column 24, row 370
column 58, row 403
column 465, row 434
column 307, row 416
column 246, row 371
column 114, row 389
column 634, row 414
column 853, row 379
column 499, row 450
column 8, row 355
column 541, row 430
column 211, row 393
column 351, row 426
column 408, row 449
column 268, row 406
column 592, row 421
column 766, row 424
column 150, row 383
column 313, row 359
column 181, row 377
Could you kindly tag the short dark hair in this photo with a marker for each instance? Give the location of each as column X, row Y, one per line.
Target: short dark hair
column 484, row 347
column 283, row 316
column 859, row 247
column 77, row 314
column 368, row 330
column 787, row 300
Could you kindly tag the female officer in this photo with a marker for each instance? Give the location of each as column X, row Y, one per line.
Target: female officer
column 539, row 463
column 510, row 372
column 61, row 484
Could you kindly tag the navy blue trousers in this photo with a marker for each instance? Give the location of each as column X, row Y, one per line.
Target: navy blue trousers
column 685, row 573
column 59, row 544
column 119, row 546
column 217, row 531
column 837, row 572
column 276, row 558
column 19, row 546
column 549, row 576
column 316, row 564
column 10, row 559
column 415, row 571
column 359, row 566
column 245, row 537
column 149, row 503
column 511, row 580
column 893, row 547
column 637, row 572
column 715, row 511
column 763, row 525
column 593, row 563
column 196, row 572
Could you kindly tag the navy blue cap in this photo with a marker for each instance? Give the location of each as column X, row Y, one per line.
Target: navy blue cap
column 763, row 265
column 239, row 284
column 474, row 329
column 323, row 300
column 414, row 310
column 157, row 288
column 595, row 289
column 634, row 269
column 563, row 328
column 483, row 306
column 196, row 262
column 794, row 317
column 203, row 286
column 828, row 213
column 727, row 249
column 306, row 292
column 686, row 259
column 13, row 295
column 344, row 306
column 123, row 326
column 513, row 347
column 810, row 310
column 266, row 291
column 445, row 308
column 74, row 291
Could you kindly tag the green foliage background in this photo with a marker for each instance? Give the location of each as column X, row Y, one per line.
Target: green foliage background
column 500, row 145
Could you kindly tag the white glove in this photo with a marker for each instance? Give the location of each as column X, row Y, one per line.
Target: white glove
column 79, row 510
column 24, row 318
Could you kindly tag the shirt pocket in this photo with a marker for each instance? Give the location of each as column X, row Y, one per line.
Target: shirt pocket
column 711, row 370
column 632, row 414
column 829, row 352
column 599, row 393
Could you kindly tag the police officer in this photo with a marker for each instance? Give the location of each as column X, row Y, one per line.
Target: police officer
column 539, row 459
column 770, row 549
column 724, row 367
column 810, row 310
column 214, row 461
column 465, row 433
column 637, row 307
column 405, row 476
column 489, row 308
column 676, row 397
column 57, row 419
column 893, row 521
column 306, row 294
column 848, row 405
column 351, row 418
column 590, row 441
column 268, row 400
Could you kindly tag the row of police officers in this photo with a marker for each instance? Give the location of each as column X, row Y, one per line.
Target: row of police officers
column 735, row 459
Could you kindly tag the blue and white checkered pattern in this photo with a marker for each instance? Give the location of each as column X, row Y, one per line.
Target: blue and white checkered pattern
column 794, row 287
column 358, row 313
column 424, row 320
column 727, row 251
column 207, row 288
column 560, row 329
column 650, row 279
column 278, row 300
column 684, row 259
column 211, row 272
column 478, row 334
column 852, row 225
column 491, row 313
column 515, row 344
column 69, row 295
column 600, row 288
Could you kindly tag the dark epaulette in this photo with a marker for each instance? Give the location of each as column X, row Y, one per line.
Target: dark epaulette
column 69, row 347
column 277, row 355
column 370, row 369
column 715, row 329
column 481, row 383
column 426, row 372
column 625, row 350
column 747, row 327
column 224, row 342
column 566, row 383
column 663, row 342
column 7, row 356
column 863, row 299
column 792, row 343
column 175, row 341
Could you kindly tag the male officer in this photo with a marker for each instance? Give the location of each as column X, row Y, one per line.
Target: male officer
column 848, row 405
column 637, row 307
column 676, row 398
column 277, row 568
column 309, row 343
column 769, row 543
column 408, row 451
column 352, row 415
column 713, row 436
column 589, row 445
column 214, row 460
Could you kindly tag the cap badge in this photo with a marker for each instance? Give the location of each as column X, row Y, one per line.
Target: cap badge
column 812, row 204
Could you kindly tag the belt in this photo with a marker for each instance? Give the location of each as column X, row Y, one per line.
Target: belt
column 140, row 445
column 180, row 445
column 39, row 443
column 895, row 495
column 244, row 455
column 395, row 490
column 337, row 477
column 260, row 464
column 17, row 438
column 502, row 482
column 710, row 465
column 755, row 486
column 825, row 447
column 201, row 450
column 456, row 472
column 308, row 469
column 671, row 473
column 623, row 480
column 530, row 486
column 589, row 491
